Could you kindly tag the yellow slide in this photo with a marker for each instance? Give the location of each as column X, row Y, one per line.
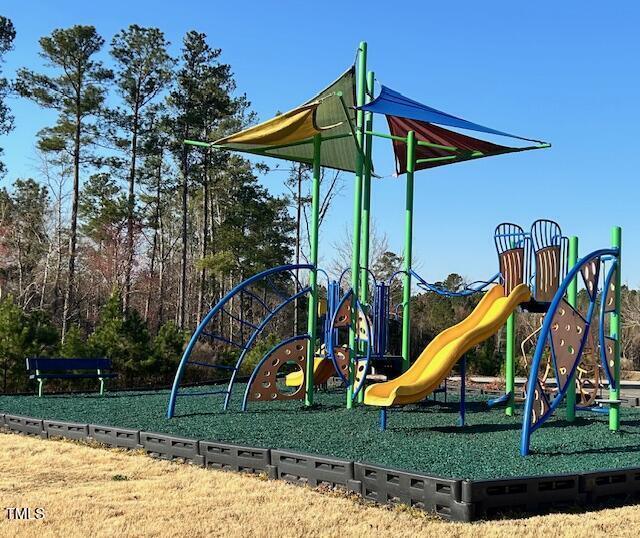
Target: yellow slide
column 443, row 352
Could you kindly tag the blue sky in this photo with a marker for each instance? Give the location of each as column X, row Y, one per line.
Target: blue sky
column 565, row 72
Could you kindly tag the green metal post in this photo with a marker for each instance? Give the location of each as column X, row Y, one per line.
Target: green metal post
column 101, row 379
column 366, row 197
column 313, row 277
column 572, row 297
column 510, row 370
column 408, row 247
column 366, row 205
column 357, row 216
column 614, row 332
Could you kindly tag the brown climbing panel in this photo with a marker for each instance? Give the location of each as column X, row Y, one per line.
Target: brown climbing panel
column 512, row 268
column 540, row 403
column 609, row 349
column 342, row 360
column 547, row 273
column 610, row 301
column 265, row 387
column 590, row 273
column 567, row 333
column 343, row 319
column 588, row 371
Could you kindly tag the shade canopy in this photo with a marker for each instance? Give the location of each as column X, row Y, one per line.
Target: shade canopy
column 293, row 126
column 463, row 147
column 290, row 135
column 393, row 103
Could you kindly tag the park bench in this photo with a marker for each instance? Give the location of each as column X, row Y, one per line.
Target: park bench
column 41, row 369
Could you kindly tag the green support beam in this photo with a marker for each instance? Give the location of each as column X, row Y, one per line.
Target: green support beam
column 510, row 365
column 572, row 299
column 366, row 205
column 312, row 320
column 614, row 332
column 357, row 216
column 366, row 196
column 408, row 252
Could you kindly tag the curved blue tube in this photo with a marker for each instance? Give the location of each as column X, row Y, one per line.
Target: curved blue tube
column 468, row 290
column 601, row 336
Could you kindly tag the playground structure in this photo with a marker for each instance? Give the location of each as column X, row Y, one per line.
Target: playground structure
column 538, row 272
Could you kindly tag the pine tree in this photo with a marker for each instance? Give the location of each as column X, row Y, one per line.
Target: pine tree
column 76, row 92
column 202, row 103
column 103, row 216
column 7, row 36
column 23, row 237
column 123, row 337
column 158, row 181
column 143, row 71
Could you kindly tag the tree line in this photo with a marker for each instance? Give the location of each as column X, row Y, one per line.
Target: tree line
column 121, row 211
column 124, row 236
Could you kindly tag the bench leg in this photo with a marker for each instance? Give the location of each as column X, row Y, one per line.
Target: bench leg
column 40, row 383
column 101, row 386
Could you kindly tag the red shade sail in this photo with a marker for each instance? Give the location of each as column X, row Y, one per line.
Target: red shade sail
column 467, row 147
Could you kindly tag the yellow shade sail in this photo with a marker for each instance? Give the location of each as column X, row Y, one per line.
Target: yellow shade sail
column 293, row 126
column 290, row 135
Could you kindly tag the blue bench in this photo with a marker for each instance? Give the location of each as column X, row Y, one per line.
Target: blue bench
column 41, row 369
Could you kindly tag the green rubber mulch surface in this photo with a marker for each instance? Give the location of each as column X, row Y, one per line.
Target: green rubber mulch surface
column 420, row 438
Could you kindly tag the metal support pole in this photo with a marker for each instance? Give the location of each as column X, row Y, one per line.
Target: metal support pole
column 510, row 366
column 357, row 219
column 366, row 196
column 408, row 244
column 383, row 419
column 366, row 208
column 614, row 332
column 463, row 390
column 572, row 299
column 312, row 321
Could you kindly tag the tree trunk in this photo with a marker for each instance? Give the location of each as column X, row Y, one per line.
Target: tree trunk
column 45, row 276
column 20, row 272
column 182, row 302
column 68, row 297
column 152, row 268
column 205, row 235
column 161, row 274
column 131, row 202
column 56, row 280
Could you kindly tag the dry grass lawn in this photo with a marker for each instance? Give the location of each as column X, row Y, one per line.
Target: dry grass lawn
column 89, row 491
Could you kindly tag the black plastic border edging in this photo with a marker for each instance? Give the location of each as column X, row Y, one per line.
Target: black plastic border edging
column 451, row 498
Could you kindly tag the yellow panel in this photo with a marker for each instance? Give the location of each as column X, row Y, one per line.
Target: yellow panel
column 322, row 307
column 435, row 363
column 287, row 128
column 322, row 370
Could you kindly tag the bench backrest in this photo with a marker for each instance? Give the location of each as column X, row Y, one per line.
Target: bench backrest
column 45, row 364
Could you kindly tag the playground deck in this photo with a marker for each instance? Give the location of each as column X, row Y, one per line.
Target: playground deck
column 420, row 438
